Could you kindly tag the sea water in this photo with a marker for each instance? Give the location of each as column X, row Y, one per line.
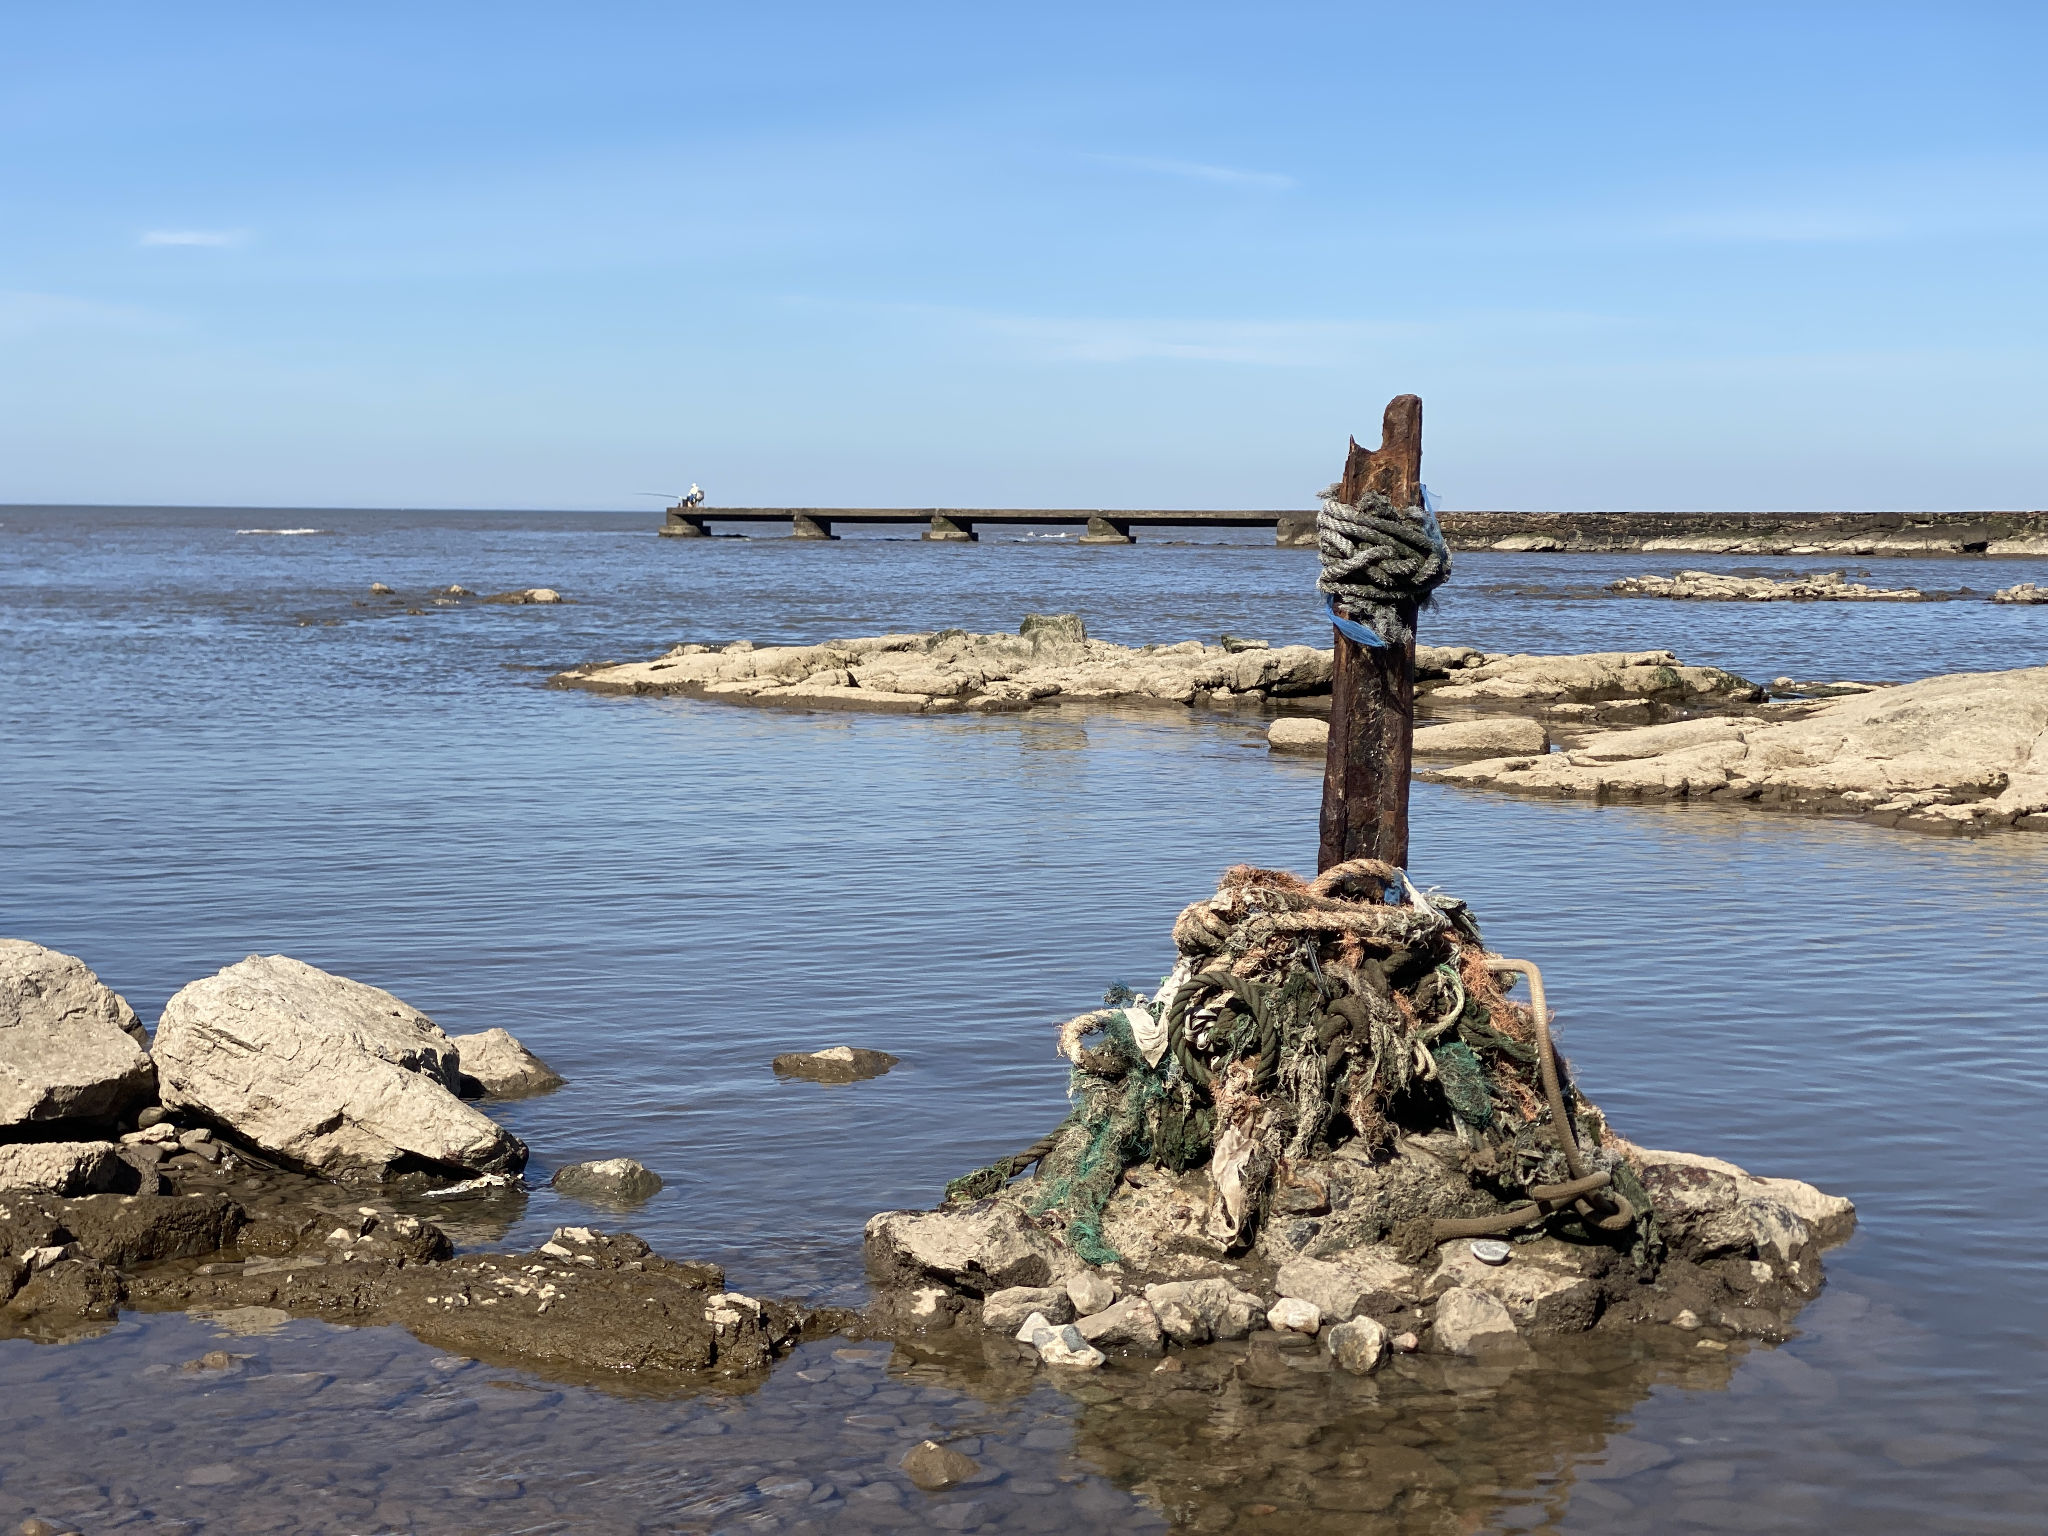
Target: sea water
column 214, row 742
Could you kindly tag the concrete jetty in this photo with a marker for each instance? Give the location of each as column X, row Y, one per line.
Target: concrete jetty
column 1735, row 533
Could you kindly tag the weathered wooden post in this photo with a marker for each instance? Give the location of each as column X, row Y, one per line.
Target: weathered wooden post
column 1372, row 692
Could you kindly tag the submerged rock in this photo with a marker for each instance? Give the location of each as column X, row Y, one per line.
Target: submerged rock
column 614, row 1181
column 526, row 595
column 1963, row 753
column 2021, row 592
column 493, row 1063
column 70, row 1047
column 331, row 1075
column 835, row 1064
column 935, row 1468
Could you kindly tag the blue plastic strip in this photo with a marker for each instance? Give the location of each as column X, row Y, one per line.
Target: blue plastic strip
column 1351, row 629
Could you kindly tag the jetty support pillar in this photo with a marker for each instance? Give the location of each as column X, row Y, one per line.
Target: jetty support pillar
column 1372, row 688
column 1107, row 530
column 684, row 523
column 951, row 530
column 804, row 526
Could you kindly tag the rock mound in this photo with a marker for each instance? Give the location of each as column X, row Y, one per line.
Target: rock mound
column 70, row 1047
column 328, row 1074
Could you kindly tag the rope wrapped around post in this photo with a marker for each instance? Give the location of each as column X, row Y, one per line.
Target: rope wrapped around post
column 1380, row 561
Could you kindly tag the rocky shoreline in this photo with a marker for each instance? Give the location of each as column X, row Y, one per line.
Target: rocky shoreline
column 271, row 1155
column 317, row 1174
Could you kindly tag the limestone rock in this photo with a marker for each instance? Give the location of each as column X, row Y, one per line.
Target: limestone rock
column 1359, row 1345
column 70, row 1047
column 328, row 1074
column 1495, row 736
column 1298, row 733
column 60, row 1167
column 1290, row 1314
column 1054, row 628
column 1193, row 1311
column 1130, row 1324
column 1528, row 681
column 1065, row 1346
column 1542, row 1285
column 613, row 1181
column 493, row 1063
column 526, row 595
column 834, row 1064
column 1468, row 1322
column 2021, row 592
column 935, row 1468
column 1708, row 1208
column 1962, row 753
column 1091, row 1291
column 1336, row 1290
column 1713, row 587
column 1008, row 1309
column 979, row 1247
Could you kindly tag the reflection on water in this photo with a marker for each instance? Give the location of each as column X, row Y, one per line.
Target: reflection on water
column 658, row 897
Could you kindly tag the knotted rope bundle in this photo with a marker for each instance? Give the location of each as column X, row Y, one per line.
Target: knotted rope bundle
column 1377, row 559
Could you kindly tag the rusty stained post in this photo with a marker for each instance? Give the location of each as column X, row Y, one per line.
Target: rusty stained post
column 1372, row 690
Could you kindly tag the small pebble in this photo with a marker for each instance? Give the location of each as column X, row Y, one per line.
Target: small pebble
column 1491, row 1250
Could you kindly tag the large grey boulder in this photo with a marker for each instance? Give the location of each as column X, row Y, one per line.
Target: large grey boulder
column 328, row 1074
column 70, row 1047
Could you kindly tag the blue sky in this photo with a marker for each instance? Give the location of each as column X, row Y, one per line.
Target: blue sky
column 1729, row 256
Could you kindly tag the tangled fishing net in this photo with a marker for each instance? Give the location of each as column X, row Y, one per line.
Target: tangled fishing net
column 1351, row 1010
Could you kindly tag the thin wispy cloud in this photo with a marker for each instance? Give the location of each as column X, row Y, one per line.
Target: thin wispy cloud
column 27, row 314
column 199, row 237
column 1195, row 170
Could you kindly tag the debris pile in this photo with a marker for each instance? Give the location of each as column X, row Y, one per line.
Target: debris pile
column 1333, row 1120
column 1350, row 1010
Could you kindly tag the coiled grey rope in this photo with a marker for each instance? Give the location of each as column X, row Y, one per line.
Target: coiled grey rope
column 1377, row 558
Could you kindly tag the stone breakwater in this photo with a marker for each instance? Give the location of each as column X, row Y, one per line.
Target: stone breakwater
column 1052, row 660
column 1713, row 587
column 1752, row 533
column 1963, row 753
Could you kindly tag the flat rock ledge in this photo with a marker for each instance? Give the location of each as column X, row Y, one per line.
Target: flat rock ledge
column 1053, row 661
column 1713, row 587
column 1964, row 753
column 1728, row 1255
column 583, row 1306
